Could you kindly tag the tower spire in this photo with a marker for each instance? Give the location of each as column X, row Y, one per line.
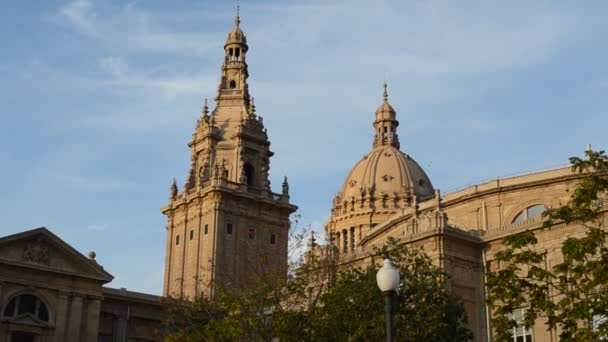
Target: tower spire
column 237, row 18
column 385, row 94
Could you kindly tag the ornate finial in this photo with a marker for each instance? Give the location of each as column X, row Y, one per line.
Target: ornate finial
column 312, row 242
column 252, row 107
column 385, row 95
column 438, row 198
column 237, row 19
column 205, row 109
column 285, row 187
column 173, row 189
column 588, row 151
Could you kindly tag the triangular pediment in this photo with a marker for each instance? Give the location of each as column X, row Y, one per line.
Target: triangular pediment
column 43, row 250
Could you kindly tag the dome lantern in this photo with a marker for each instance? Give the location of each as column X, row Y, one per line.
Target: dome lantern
column 386, row 123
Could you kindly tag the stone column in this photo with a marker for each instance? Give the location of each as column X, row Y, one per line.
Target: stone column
column 93, row 313
column 61, row 314
column 75, row 319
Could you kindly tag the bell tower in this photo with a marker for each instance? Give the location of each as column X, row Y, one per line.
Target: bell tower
column 226, row 227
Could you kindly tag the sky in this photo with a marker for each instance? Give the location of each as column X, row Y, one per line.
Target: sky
column 98, row 100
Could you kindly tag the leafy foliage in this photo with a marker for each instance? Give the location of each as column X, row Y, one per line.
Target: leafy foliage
column 322, row 303
column 573, row 294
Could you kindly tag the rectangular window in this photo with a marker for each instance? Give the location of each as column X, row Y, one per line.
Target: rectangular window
column 352, row 238
column 206, row 229
column 521, row 333
column 229, row 228
column 191, row 234
column 177, row 240
column 251, row 233
column 344, row 240
column 273, row 239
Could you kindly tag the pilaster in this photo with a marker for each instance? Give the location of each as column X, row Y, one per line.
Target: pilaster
column 61, row 313
column 93, row 313
column 74, row 326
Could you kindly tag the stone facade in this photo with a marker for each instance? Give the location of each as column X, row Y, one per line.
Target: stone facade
column 49, row 292
column 226, row 226
column 387, row 194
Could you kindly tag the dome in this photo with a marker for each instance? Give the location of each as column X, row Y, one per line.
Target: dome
column 385, row 112
column 387, row 170
column 236, row 36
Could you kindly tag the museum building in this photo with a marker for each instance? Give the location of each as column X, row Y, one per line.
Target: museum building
column 226, row 226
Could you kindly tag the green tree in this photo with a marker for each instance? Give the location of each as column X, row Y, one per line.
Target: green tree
column 424, row 309
column 349, row 306
column 571, row 296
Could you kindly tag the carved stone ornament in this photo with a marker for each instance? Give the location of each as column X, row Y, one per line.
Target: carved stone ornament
column 387, row 178
column 37, row 252
column 352, row 183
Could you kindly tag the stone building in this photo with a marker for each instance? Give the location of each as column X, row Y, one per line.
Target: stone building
column 226, row 226
column 387, row 194
column 49, row 292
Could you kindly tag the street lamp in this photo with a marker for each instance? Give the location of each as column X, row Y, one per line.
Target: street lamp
column 388, row 281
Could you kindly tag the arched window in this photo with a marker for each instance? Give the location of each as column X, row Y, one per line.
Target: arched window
column 26, row 304
column 530, row 213
column 232, row 84
column 250, row 174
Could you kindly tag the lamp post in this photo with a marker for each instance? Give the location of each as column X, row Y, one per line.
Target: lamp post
column 388, row 281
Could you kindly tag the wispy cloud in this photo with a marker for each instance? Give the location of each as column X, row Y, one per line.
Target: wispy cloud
column 92, row 183
column 80, row 15
column 130, row 28
column 95, row 227
column 153, row 82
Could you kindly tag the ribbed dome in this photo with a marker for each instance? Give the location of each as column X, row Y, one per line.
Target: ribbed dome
column 387, row 170
column 385, row 112
column 236, row 36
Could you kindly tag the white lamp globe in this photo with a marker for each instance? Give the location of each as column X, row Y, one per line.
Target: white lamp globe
column 387, row 277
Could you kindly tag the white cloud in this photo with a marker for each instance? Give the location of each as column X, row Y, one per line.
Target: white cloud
column 114, row 65
column 95, row 227
column 155, row 82
column 80, row 15
column 131, row 29
column 92, row 183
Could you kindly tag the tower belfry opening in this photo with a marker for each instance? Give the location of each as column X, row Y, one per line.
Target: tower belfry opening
column 226, row 190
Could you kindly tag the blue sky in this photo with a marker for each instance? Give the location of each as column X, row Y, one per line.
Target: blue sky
column 99, row 98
